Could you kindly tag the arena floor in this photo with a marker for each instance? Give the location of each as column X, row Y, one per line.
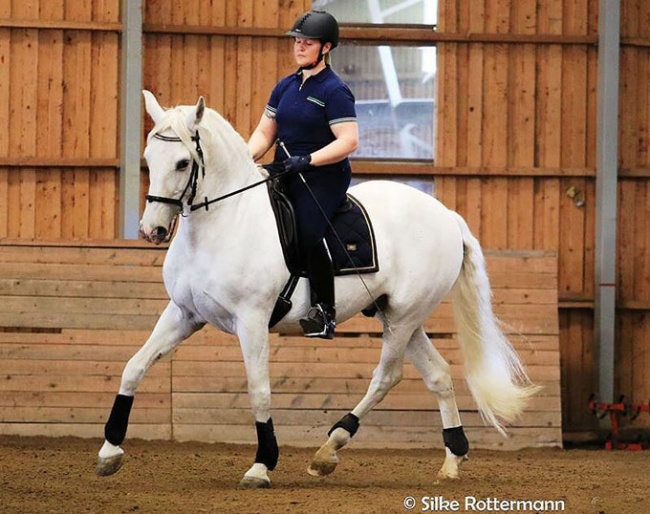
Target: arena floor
column 56, row 475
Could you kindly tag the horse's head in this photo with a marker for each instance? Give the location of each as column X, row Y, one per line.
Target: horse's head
column 173, row 162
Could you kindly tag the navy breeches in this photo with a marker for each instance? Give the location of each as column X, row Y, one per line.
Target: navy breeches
column 329, row 185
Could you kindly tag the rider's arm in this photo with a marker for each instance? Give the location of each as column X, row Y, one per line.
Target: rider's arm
column 263, row 137
column 346, row 142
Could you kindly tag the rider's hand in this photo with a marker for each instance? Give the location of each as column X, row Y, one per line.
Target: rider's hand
column 297, row 164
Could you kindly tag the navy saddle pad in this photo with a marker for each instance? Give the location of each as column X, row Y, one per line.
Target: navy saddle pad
column 351, row 243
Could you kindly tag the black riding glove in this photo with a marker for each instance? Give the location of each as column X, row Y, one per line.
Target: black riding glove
column 297, row 164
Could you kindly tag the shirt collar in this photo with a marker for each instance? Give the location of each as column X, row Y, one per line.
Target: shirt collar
column 320, row 76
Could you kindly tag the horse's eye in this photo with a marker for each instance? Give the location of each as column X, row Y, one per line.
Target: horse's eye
column 181, row 165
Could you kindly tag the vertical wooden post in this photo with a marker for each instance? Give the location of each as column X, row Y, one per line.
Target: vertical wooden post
column 130, row 124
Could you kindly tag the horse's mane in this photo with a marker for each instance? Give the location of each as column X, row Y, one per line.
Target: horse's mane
column 213, row 128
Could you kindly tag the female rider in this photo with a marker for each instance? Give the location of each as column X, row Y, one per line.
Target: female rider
column 311, row 113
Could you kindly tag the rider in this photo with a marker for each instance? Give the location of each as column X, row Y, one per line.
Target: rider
column 311, row 112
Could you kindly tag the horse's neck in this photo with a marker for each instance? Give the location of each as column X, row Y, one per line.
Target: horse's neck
column 246, row 216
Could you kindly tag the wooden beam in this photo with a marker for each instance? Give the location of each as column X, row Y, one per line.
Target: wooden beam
column 364, row 167
column 60, row 25
column 57, row 162
column 401, row 34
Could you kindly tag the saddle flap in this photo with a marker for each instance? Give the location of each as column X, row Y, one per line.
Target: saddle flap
column 351, row 241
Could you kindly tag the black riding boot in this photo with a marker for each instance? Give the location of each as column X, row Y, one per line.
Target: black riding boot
column 320, row 320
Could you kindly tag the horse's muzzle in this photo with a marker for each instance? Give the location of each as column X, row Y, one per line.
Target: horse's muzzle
column 160, row 234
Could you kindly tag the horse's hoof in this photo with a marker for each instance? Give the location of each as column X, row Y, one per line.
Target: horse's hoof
column 447, row 476
column 107, row 466
column 450, row 469
column 254, row 483
column 321, row 468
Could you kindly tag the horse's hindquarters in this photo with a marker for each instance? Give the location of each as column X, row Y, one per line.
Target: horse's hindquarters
column 419, row 242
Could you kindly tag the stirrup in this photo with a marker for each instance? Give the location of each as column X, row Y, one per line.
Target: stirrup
column 318, row 323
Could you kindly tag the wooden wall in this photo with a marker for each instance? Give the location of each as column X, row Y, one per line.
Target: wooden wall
column 74, row 313
column 633, row 330
column 516, row 133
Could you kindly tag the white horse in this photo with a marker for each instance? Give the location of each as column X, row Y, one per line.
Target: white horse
column 225, row 267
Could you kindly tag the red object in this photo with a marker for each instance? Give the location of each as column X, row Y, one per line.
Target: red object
column 615, row 410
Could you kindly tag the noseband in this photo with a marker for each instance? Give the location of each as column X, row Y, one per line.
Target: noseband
column 194, row 175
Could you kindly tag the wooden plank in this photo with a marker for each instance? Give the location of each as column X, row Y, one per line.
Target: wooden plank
column 144, row 431
column 299, row 385
column 547, row 214
column 394, row 401
column 572, row 242
column 90, row 253
column 89, row 383
column 14, row 368
column 106, row 273
column 69, row 352
column 284, row 370
column 5, row 93
column 522, row 87
column 50, row 100
column 374, row 437
column 382, row 419
column 85, row 399
column 88, row 306
column 79, row 415
column 521, row 220
column 93, row 289
column 447, row 135
column 318, row 356
column 79, row 320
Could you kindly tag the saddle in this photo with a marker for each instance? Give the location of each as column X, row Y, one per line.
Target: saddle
column 351, row 242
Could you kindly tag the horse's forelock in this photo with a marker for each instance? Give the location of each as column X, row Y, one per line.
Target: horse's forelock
column 174, row 120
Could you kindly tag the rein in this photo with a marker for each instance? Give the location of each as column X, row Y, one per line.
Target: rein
column 194, row 178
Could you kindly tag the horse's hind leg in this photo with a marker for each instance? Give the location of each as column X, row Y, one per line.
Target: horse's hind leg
column 437, row 378
column 386, row 376
column 172, row 328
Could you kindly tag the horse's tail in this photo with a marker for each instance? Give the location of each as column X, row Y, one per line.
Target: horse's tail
column 493, row 371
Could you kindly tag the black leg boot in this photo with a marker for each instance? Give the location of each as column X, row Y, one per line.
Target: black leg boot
column 320, row 320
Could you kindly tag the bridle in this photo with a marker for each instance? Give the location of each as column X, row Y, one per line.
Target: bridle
column 194, row 174
column 194, row 179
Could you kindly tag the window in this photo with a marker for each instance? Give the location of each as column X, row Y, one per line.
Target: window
column 394, row 85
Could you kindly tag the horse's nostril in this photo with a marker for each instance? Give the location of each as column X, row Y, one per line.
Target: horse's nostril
column 160, row 232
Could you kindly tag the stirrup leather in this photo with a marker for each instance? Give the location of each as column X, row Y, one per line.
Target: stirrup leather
column 318, row 323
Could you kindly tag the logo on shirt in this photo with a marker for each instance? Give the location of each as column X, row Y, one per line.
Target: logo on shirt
column 316, row 101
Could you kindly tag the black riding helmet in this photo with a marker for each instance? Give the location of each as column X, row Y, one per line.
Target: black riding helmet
column 317, row 25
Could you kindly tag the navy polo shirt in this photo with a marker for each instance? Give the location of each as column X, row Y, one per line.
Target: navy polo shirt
column 306, row 112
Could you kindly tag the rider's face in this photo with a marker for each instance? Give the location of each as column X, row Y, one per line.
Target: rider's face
column 305, row 50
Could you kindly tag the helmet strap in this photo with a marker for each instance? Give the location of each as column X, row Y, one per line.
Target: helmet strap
column 317, row 61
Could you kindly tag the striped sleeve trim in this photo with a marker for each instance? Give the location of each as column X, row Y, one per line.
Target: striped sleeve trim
column 342, row 120
column 270, row 111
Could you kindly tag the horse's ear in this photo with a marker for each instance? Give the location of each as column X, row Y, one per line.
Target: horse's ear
column 196, row 115
column 153, row 107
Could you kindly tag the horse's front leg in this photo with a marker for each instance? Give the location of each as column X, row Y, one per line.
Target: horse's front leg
column 172, row 327
column 254, row 341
